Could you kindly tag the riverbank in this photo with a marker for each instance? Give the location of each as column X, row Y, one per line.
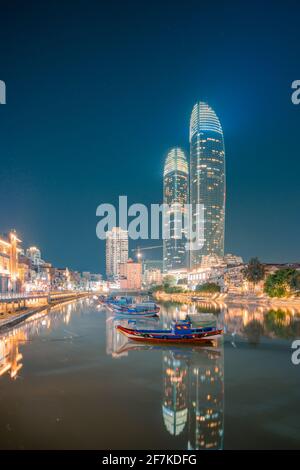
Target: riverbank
column 238, row 299
column 12, row 319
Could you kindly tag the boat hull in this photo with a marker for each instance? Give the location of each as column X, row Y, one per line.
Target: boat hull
column 127, row 313
column 170, row 338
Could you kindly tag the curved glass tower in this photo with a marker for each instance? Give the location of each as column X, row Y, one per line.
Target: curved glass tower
column 207, row 179
column 176, row 194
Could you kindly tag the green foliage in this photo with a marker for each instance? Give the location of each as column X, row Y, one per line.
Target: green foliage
column 281, row 283
column 295, row 282
column 209, row 287
column 169, row 281
column 156, row 288
column 168, row 289
column 173, row 290
column 182, row 281
column 255, row 271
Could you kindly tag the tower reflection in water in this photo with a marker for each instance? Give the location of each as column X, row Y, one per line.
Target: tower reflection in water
column 193, row 402
column 192, row 384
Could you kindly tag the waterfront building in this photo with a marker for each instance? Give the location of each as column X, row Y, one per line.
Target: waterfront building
column 175, row 192
column 226, row 271
column 212, row 261
column 152, row 277
column 149, row 264
column 116, row 251
column 9, row 275
column 233, row 260
column 207, row 180
column 34, row 254
column 130, row 275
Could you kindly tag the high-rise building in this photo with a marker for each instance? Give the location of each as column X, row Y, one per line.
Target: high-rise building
column 116, row 251
column 176, row 195
column 207, row 179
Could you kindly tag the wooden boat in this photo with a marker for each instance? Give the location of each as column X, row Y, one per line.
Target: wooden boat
column 133, row 312
column 115, row 300
column 180, row 332
column 146, row 309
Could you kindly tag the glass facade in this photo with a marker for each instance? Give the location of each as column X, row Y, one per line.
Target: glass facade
column 207, row 179
column 176, row 194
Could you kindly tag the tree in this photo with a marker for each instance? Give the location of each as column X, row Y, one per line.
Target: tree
column 281, row 283
column 183, row 281
column 295, row 281
column 169, row 281
column 210, row 287
column 254, row 271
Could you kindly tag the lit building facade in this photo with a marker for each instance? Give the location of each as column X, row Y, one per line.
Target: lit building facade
column 9, row 275
column 207, row 180
column 175, row 190
column 116, row 251
column 152, row 277
column 34, row 254
column 130, row 275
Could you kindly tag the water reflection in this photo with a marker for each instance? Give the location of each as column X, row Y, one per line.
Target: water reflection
column 10, row 342
column 192, row 381
column 193, row 396
column 179, row 389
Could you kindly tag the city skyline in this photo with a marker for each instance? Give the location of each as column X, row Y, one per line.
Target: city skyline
column 79, row 129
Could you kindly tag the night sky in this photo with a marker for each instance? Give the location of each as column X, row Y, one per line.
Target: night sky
column 97, row 92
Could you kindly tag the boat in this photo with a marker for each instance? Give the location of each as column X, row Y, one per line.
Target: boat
column 115, row 300
column 180, row 332
column 146, row 309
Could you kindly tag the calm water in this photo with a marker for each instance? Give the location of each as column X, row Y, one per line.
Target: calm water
column 69, row 380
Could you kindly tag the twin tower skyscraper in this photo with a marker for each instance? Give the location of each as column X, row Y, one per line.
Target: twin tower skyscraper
column 201, row 181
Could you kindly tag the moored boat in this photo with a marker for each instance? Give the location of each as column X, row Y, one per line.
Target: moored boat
column 180, row 332
column 146, row 309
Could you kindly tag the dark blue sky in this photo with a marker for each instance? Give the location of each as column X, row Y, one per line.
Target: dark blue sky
column 98, row 91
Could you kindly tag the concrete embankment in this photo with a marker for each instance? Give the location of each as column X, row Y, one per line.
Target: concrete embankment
column 14, row 319
column 232, row 299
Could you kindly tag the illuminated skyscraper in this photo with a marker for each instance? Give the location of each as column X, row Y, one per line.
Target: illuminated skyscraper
column 176, row 194
column 207, row 179
column 116, row 251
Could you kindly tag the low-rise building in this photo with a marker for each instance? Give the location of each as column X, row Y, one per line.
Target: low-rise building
column 219, row 270
column 152, row 277
column 9, row 275
column 130, row 275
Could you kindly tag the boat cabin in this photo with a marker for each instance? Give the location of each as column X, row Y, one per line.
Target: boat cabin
column 181, row 327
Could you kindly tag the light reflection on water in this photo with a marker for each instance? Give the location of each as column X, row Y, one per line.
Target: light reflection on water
column 191, row 379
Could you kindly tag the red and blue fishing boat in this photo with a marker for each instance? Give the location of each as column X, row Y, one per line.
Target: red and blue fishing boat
column 180, row 332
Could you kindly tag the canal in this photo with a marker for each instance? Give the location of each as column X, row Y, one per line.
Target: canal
column 68, row 380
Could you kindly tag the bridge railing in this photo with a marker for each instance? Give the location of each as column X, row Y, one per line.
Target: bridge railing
column 10, row 296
